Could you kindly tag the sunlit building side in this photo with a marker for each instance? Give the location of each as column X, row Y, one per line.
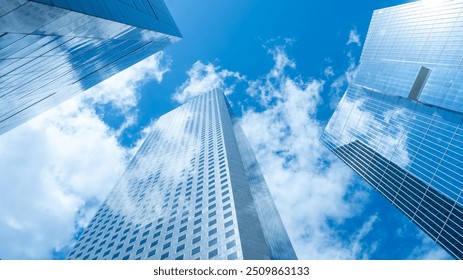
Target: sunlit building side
column 399, row 124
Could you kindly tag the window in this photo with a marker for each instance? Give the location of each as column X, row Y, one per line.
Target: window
column 139, row 251
column 212, row 231
column 152, row 253
column 181, row 238
column 195, row 250
column 212, row 242
column 231, row 244
column 230, row 233
column 180, row 248
column 233, row 256
column 165, row 256
column 196, row 239
column 166, row 246
column 213, row 253
column 229, row 223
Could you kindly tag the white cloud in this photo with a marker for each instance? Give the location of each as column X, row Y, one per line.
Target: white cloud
column 328, row 72
column 354, row 37
column 53, row 167
column 57, row 168
column 120, row 91
column 300, row 172
column 264, row 89
column 203, row 78
column 428, row 250
column 338, row 86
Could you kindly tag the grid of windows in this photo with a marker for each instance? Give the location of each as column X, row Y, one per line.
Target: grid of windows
column 50, row 51
column 410, row 149
column 175, row 200
column 403, row 39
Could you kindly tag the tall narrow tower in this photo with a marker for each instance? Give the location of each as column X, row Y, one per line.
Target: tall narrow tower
column 51, row 50
column 194, row 190
column 400, row 123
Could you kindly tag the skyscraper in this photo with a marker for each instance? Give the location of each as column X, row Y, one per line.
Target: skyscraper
column 400, row 123
column 194, row 190
column 50, row 50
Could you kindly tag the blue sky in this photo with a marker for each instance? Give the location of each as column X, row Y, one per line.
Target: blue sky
column 284, row 66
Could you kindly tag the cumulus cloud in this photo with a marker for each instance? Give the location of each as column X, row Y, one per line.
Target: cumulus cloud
column 300, row 172
column 339, row 84
column 328, row 72
column 354, row 37
column 203, row 78
column 57, row 168
column 120, row 91
column 264, row 89
column 54, row 169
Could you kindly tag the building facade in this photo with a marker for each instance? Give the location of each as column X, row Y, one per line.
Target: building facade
column 400, row 123
column 194, row 190
column 50, row 50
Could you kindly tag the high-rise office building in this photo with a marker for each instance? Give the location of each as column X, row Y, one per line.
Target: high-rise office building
column 400, row 123
column 50, row 50
column 194, row 190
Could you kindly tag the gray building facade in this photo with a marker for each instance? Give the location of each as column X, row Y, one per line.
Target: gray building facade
column 194, row 190
column 400, row 123
column 51, row 50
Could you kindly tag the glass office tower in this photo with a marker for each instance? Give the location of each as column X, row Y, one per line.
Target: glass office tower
column 399, row 124
column 50, row 50
column 194, row 190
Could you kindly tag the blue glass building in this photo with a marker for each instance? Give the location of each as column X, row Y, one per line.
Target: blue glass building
column 399, row 124
column 52, row 49
column 194, row 190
